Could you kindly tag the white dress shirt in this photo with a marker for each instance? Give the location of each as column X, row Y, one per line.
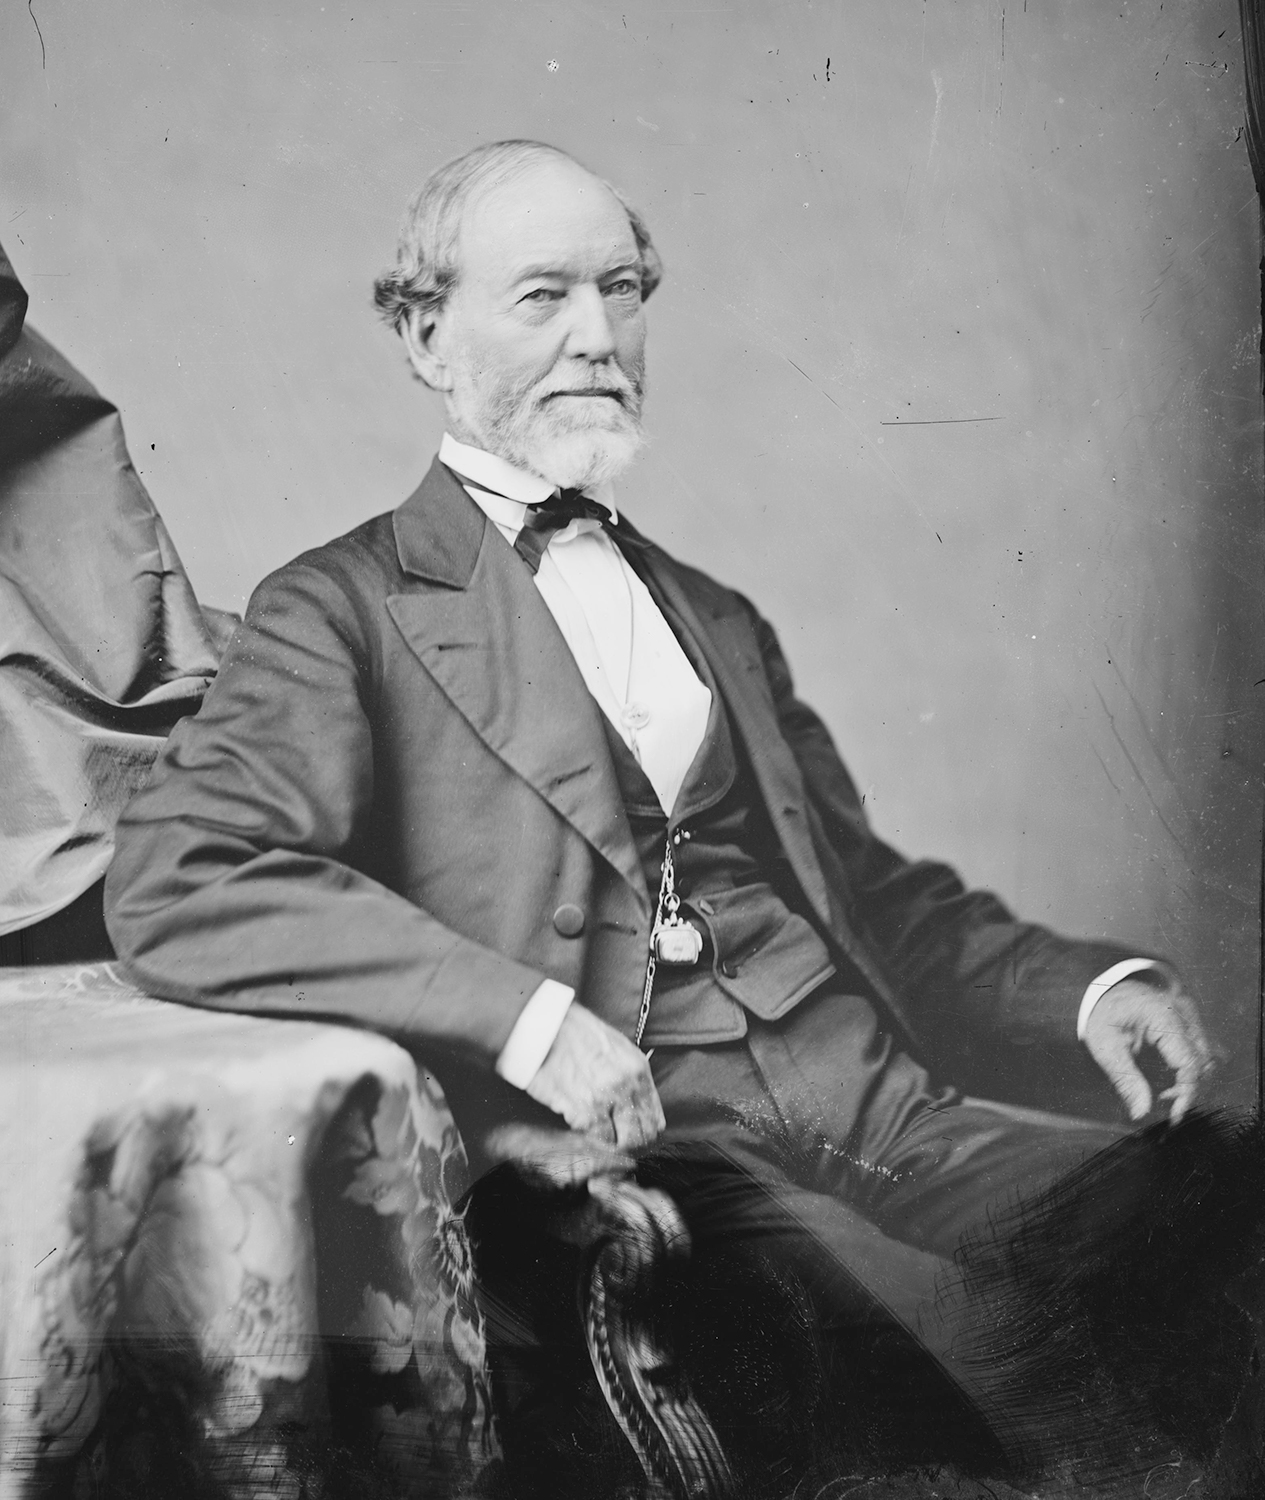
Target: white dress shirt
column 642, row 680
column 629, row 658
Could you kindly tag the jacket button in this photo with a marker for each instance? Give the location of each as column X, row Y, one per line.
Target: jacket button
column 569, row 920
column 730, row 971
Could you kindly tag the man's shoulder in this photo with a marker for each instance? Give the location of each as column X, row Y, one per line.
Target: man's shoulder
column 340, row 587
column 367, row 551
column 362, row 562
column 385, row 554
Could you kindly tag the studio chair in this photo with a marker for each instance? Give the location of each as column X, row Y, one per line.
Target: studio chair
column 580, row 1270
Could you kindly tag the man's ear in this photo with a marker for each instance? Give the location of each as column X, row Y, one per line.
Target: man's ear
column 423, row 334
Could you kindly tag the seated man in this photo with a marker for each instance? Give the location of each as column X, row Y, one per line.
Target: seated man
column 497, row 776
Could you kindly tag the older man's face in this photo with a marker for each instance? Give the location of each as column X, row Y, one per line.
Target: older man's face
column 544, row 335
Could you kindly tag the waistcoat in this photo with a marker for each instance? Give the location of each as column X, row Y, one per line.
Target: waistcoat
column 735, row 884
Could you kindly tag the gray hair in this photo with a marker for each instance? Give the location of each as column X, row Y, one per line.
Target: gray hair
column 426, row 266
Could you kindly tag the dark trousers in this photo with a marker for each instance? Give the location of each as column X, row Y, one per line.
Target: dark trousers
column 867, row 1169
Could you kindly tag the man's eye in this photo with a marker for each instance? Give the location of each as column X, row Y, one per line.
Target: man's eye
column 543, row 294
column 624, row 287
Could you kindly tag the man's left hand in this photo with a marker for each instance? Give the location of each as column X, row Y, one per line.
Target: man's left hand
column 1133, row 1014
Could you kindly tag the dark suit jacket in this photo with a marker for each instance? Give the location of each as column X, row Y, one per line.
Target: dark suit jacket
column 399, row 777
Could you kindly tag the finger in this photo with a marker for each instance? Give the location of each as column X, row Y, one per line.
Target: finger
column 1166, row 1098
column 1195, row 1031
column 635, row 1079
column 1178, row 1052
column 645, row 1114
column 657, row 1120
column 630, row 1128
column 1181, row 1002
column 1115, row 1059
column 597, row 1122
column 1177, row 1104
column 650, row 1113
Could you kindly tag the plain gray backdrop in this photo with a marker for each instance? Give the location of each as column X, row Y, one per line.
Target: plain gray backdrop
column 955, row 368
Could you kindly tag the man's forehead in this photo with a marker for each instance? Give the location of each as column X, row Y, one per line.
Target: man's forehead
column 552, row 216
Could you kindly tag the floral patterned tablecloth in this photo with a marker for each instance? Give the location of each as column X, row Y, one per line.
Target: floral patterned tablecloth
column 229, row 1258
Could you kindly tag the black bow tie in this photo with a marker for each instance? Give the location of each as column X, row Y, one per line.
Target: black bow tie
column 551, row 515
column 541, row 521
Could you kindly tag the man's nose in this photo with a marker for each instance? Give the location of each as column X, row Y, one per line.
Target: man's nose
column 590, row 335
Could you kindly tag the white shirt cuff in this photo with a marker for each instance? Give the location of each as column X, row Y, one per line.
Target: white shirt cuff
column 538, row 1024
column 1099, row 987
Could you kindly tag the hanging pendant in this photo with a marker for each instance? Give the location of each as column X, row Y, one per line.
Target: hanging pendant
column 678, row 942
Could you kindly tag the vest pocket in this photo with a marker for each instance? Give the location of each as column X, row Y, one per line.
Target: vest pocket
column 766, row 956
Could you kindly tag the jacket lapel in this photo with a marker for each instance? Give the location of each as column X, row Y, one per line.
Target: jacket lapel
column 725, row 637
column 478, row 625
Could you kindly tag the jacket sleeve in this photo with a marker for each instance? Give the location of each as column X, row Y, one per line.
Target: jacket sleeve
column 235, row 880
column 955, row 958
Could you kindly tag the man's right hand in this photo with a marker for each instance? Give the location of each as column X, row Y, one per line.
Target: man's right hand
column 599, row 1082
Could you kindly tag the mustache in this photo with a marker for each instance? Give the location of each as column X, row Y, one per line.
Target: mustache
column 613, row 383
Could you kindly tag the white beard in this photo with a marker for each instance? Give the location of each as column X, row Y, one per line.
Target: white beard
column 581, row 458
column 574, row 443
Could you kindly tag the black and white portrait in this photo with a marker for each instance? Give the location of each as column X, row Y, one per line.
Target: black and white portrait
column 630, row 804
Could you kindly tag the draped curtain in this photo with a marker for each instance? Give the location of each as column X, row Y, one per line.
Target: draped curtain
column 103, row 646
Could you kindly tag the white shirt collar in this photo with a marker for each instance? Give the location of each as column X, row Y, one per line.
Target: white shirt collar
column 516, row 488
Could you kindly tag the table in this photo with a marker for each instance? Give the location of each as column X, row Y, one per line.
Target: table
column 229, row 1256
